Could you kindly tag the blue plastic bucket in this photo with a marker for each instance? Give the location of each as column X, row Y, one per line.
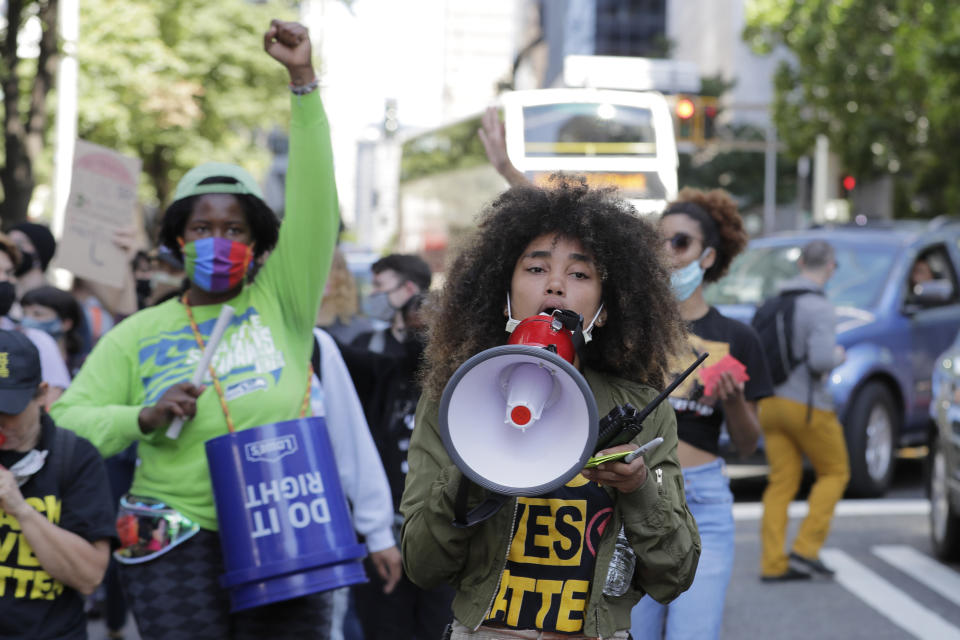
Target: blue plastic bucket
column 284, row 524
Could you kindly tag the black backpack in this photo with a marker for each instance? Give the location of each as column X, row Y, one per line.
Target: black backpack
column 773, row 322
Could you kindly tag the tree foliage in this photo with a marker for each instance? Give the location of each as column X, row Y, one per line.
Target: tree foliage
column 879, row 78
column 179, row 83
column 174, row 83
column 25, row 84
column 739, row 172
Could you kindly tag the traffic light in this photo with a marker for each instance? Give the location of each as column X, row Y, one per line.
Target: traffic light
column 710, row 112
column 847, row 184
column 390, row 121
column 685, row 110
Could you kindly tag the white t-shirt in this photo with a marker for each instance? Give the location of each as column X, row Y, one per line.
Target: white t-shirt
column 52, row 367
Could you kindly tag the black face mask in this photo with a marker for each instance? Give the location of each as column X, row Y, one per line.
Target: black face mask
column 143, row 288
column 26, row 263
column 8, row 293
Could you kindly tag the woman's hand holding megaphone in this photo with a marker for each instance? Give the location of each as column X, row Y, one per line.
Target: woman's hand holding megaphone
column 622, row 476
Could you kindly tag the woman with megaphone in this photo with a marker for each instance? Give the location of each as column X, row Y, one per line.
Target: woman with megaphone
column 571, row 560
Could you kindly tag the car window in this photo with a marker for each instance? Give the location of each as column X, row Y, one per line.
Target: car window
column 933, row 263
column 757, row 273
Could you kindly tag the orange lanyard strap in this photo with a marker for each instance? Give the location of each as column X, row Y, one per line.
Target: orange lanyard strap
column 304, row 406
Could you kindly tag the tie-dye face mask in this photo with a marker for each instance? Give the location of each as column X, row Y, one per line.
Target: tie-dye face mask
column 217, row 264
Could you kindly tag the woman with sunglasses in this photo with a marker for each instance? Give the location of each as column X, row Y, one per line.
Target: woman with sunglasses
column 540, row 567
column 702, row 232
column 137, row 379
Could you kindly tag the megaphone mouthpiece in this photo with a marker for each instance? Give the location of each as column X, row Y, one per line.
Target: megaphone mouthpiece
column 529, row 388
column 520, row 416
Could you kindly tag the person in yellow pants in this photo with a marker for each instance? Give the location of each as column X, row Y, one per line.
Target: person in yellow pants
column 788, row 437
column 797, row 421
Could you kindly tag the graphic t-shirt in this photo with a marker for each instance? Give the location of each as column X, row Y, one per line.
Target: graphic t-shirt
column 33, row 605
column 262, row 361
column 546, row 582
column 698, row 416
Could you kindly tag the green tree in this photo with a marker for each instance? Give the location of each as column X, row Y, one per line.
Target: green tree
column 879, row 78
column 179, row 85
column 739, row 172
column 25, row 84
column 173, row 83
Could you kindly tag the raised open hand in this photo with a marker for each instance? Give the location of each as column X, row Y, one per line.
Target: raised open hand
column 494, row 141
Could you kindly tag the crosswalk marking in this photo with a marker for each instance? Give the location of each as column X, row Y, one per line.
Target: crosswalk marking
column 915, row 507
column 887, row 600
column 923, row 569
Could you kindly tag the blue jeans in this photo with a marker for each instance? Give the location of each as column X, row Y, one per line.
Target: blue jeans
column 698, row 612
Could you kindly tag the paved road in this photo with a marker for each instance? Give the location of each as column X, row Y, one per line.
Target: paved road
column 888, row 587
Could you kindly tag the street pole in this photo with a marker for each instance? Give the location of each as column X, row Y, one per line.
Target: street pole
column 803, row 191
column 66, row 126
column 770, row 179
column 821, row 158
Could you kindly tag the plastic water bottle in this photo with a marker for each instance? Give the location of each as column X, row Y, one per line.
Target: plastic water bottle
column 620, row 572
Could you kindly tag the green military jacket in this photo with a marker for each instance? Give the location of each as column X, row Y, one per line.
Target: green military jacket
column 655, row 517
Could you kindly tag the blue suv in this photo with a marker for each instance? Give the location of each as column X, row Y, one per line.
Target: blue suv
column 892, row 325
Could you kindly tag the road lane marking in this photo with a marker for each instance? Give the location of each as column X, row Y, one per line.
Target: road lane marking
column 892, row 603
column 916, row 507
column 922, row 568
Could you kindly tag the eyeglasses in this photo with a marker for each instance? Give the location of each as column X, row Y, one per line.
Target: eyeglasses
column 681, row 241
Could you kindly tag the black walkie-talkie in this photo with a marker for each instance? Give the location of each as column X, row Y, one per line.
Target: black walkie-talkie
column 624, row 422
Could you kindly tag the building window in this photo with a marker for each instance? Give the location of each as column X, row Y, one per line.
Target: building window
column 632, row 28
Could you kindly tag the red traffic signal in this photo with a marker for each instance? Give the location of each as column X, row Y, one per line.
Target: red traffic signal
column 849, row 183
column 685, row 108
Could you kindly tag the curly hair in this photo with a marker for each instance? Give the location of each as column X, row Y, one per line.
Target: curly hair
column 729, row 238
column 642, row 326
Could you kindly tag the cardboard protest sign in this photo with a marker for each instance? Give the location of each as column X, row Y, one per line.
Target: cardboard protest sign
column 103, row 197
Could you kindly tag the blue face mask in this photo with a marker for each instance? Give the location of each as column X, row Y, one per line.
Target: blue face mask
column 52, row 327
column 685, row 281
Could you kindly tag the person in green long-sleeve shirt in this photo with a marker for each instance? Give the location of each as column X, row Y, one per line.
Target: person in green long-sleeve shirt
column 138, row 378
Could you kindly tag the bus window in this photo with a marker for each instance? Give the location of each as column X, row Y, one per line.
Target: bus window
column 588, row 129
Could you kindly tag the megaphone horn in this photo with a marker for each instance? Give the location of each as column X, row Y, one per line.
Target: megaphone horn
column 520, row 419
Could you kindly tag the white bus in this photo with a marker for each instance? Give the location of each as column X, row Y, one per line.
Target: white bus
column 614, row 138
column 623, row 139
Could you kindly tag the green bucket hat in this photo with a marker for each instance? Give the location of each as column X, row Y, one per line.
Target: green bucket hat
column 189, row 184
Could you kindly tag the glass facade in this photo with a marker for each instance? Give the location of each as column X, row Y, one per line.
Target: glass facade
column 631, row 28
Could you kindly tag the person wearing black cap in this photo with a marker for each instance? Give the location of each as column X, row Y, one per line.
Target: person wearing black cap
column 37, row 246
column 54, row 368
column 56, row 512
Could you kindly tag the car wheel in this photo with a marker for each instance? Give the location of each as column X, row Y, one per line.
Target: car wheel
column 872, row 427
column 944, row 518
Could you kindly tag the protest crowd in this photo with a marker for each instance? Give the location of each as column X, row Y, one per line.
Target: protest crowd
column 112, row 493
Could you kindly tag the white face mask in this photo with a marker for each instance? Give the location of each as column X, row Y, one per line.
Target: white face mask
column 513, row 322
column 588, row 332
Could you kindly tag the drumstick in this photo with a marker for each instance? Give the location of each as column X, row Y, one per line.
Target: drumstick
column 226, row 314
